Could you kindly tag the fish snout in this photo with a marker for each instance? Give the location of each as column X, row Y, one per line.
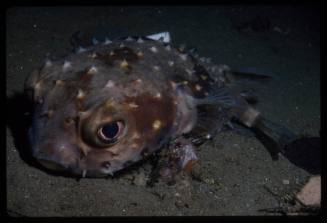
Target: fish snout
column 56, row 156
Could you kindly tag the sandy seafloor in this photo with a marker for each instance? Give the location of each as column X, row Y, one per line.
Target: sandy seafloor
column 235, row 169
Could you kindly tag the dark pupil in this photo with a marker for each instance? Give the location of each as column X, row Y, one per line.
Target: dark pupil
column 110, row 130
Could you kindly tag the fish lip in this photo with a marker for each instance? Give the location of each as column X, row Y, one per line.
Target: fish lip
column 50, row 165
column 51, row 161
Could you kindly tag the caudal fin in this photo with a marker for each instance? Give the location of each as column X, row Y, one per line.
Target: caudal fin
column 274, row 136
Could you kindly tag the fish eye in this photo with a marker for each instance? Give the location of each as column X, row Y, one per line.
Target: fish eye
column 110, row 132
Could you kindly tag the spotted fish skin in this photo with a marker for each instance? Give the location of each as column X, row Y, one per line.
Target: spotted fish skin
column 153, row 92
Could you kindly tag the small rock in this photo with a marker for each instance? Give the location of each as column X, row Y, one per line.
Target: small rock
column 196, row 172
column 209, row 181
column 140, row 179
column 310, row 194
column 179, row 203
column 286, row 182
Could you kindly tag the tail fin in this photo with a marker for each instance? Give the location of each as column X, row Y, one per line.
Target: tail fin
column 275, row 137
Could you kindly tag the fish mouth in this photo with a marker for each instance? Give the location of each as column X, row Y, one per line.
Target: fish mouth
column 51, row 165
column 55, row 159
column 54, row 163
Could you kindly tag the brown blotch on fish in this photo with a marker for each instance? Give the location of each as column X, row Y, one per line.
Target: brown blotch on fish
column 159, row 115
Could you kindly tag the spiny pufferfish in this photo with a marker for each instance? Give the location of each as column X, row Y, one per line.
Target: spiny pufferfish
column 112, row 104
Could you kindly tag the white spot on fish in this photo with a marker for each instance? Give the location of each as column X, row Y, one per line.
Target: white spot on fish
column 67, row 65
column 204, row 77
column 188, row 71
column 198, row 87
column 170, row 63
column 156, row 68
column 93, row 55
column 140, row 54
column 136, row 136
column 94, row 41
column 107, row 41
column 140, row 40
column 92, row 70
column 168, row 47
column 48, row 63
column 124, row 64
column 59, row 82
column 156, row 124
column 80, row 49
column 84, row 173
column 80, row 94
column 183, row 56
column 154, row 49
column 110, row 84
column 129, row 39
column 132, row 105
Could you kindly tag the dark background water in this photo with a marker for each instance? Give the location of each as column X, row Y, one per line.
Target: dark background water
column 235, row 169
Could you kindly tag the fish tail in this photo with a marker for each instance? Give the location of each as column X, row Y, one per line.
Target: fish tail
column 274, row 136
